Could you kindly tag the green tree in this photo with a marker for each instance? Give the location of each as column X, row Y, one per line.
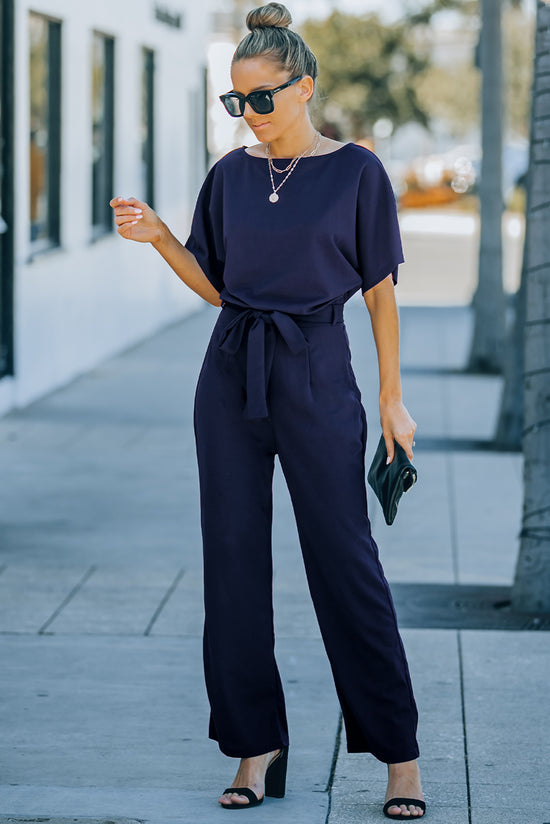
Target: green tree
column 451, row 94
column 367, row 71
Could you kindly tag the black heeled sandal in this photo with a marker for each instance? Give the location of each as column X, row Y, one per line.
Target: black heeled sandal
column 275, row 784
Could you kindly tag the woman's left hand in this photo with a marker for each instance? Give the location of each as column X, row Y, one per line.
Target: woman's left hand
column 397, row 424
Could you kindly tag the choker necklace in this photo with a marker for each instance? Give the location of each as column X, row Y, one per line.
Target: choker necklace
column 274, row 197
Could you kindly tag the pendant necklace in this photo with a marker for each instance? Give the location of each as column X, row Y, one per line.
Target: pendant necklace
column 274, row 197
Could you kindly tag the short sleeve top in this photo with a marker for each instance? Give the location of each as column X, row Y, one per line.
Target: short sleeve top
column 334, row 229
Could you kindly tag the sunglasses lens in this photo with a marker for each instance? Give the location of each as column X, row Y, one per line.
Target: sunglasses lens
column 232, row 104
column 261, row 102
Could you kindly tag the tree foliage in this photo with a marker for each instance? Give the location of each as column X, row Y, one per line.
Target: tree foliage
column 370, row 70
column 367, row 71
column 417, row 16
column 451, row 94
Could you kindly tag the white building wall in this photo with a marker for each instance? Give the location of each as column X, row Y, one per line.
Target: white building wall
column 85, row 301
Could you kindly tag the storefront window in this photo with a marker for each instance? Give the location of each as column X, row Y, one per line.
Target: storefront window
column 45, row 130
column 148, row 127
column 103, row 49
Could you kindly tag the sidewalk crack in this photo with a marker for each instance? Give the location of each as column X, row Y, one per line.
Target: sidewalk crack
column 164, row 601
column 464, row 732
column 63, row 604
column 335, row 754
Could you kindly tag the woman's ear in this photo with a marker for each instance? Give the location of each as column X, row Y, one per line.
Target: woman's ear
column 306, row 86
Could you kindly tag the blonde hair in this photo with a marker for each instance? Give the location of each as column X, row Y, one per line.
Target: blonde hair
column 271, row 38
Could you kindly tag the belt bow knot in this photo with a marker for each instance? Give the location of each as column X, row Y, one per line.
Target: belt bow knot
column 260, row 350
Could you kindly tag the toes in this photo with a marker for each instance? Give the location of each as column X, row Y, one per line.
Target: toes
column 411, row 810
column 233, row 798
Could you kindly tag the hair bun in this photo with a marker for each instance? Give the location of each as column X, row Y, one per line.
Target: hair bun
column 265, row 17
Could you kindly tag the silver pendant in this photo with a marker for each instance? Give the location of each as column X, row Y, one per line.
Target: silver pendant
column 274, row 197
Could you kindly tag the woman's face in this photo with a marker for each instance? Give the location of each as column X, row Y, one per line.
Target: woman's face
column 253, row 73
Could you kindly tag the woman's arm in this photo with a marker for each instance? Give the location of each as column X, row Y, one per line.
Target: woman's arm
column 396, row 422
column 137, row 221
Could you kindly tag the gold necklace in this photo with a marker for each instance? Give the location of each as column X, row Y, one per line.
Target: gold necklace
column 316, row 139
column 274, row 197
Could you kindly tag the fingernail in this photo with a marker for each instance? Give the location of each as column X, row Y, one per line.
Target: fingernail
column 133, row 222
column 388, row 460
column 138, row 211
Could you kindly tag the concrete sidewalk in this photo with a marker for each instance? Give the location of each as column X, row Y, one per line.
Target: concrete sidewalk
column 104, row 713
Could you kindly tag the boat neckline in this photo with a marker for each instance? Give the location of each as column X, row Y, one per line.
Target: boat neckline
column 305, row 157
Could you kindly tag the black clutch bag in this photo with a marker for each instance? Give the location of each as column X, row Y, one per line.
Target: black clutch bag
column 390, row 481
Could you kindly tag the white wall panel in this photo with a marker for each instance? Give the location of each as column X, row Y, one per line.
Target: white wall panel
column 79, row 304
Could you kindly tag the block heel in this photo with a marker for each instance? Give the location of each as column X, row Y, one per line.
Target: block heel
column 275, row 784
column 275, row 777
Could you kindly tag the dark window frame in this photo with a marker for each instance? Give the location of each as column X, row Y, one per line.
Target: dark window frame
column 53, row 160
column 148, row 145
column 7, row 143
column 102, row 183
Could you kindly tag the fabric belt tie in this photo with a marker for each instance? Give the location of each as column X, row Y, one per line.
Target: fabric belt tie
column 260, row 346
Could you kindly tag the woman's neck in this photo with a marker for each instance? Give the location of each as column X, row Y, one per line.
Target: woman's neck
column 292, row 145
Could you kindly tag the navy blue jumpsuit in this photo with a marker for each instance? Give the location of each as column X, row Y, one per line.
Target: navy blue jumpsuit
column 277, row 380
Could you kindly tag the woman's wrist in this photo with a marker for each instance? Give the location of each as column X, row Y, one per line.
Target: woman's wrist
column 387, row 397
column 162, row 235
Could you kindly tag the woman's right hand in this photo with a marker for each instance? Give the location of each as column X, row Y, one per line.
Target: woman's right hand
column 136, row 220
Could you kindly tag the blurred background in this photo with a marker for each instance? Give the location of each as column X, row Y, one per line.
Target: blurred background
column 96, row 102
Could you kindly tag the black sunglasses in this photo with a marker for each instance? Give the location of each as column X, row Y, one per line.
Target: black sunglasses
column 261, row 101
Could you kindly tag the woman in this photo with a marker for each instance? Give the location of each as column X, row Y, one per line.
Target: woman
column 283, row 233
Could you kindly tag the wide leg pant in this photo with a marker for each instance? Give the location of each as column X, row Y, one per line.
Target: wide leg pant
column 296, row 372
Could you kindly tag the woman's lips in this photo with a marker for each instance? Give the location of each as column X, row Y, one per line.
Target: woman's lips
column 259, row 125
